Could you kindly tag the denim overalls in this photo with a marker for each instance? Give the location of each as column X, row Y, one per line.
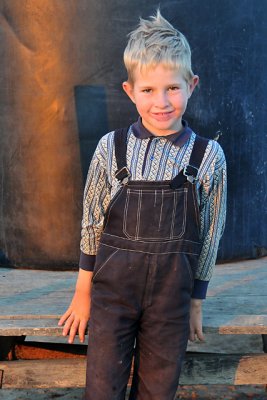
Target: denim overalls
column 142, row 283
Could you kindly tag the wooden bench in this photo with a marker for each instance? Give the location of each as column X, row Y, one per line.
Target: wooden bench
column 31, row 302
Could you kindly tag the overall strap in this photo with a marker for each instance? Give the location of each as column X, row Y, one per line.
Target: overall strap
column 190, row 172
column 120, row 143
column 198, row 151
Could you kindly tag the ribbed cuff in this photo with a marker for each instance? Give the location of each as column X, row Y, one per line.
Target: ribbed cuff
column 87, row 262
column 200, row 289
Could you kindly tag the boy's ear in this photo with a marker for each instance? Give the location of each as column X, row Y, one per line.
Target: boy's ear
column 128, row 88
column 193, row 84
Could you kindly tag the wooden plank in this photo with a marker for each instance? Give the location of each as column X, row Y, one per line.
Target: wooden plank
column 43, row 394
column 35, row 292
column 27, row 316
column 198, row 370
column 202, row 369
column 200, row 392
column 230, row 344
column 213, row 323
column 235, row 324
column 237, row 305
column 214, row 343
column 43, row 374
column 33, row 327
column 236, row 302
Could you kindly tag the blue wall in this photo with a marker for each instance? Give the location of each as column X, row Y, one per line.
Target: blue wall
column 58, row 109
column 229, row 51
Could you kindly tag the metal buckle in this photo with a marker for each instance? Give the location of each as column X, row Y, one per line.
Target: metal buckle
column 192, row 175
column 123, row 175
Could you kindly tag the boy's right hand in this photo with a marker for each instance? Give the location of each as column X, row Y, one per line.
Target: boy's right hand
column 77, row 316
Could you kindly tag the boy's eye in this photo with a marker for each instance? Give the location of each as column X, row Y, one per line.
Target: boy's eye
column 173, row 88
column 147, row 90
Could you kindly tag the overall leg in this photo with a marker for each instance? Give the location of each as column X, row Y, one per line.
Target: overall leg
column 164, row 329
column 113, row 323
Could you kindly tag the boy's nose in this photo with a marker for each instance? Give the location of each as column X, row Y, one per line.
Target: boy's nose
column 161, row 100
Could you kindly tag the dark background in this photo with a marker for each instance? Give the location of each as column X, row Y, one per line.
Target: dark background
column 61, row 91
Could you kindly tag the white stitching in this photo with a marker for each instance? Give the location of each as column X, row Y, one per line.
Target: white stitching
column 102, row 266
column 125, row 213
column 173, row 213
column 139, row 192
column 159, row 240
column 184, row 216
column 138, row 214
column 148, row 252
column 161, row 208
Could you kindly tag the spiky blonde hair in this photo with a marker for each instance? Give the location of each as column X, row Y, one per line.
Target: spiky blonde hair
column 155, row 41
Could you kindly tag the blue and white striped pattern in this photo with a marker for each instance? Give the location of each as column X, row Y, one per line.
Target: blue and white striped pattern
column 163, row 161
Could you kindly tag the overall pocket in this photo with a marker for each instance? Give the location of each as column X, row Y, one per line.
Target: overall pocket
column 105, row 254
column 153, row 214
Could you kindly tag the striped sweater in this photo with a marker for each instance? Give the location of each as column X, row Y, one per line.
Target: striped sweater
column 153, row 158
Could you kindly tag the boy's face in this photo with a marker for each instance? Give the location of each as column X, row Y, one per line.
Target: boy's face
column 160, row 95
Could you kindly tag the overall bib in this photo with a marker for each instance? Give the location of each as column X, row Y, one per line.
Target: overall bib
column 142, row 283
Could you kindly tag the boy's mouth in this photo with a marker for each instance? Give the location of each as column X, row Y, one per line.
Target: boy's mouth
column 163, row 116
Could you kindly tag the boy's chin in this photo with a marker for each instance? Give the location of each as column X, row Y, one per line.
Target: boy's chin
column 163, row 128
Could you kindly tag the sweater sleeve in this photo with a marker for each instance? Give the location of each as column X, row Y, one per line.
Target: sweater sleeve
column 95, row 202
column 212, row 221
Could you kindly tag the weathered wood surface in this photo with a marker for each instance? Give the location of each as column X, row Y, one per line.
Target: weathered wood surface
column 200, row 369
column 32, row 301
column 43, row 394
column 197, row 392
column 214, row 343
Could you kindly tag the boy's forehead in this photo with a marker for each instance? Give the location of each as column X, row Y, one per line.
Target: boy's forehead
column 153, row 73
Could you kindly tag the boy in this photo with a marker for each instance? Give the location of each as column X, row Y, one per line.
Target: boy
column 154, row 211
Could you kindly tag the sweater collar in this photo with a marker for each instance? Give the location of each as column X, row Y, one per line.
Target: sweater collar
column 177, row 138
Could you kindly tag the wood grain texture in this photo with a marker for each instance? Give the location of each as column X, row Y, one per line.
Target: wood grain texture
column 31, row 301
column 201, row 370
column 188, row 392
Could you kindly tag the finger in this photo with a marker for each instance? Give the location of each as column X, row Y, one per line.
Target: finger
column 200, row 335
column 192, row 335
column 82, row 329
column 64, row 317
column 68, row 325
column 73, row 330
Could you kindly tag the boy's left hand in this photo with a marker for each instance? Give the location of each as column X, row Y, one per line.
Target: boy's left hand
column 196, row 320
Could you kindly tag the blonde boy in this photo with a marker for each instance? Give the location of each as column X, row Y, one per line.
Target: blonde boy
column 154, row 212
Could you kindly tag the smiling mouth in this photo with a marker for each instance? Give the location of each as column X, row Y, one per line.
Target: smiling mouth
column 162, row 113
column 162, row 116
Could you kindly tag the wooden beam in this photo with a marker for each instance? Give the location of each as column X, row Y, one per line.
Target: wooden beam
column 235, row 304
column 226, row 324
column 197, row 392
column 43, row 373
column 202, row 369
column 28, row 326
column 198, row 370
column 218, row 322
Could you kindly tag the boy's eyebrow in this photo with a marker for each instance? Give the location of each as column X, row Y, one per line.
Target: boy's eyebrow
column 169, row 84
